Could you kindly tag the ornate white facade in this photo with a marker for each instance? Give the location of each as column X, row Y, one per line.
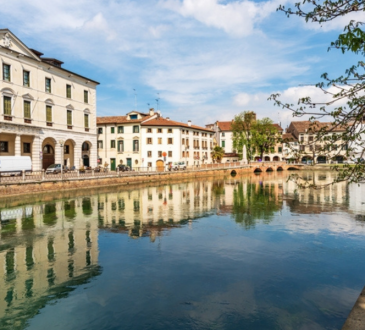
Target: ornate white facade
column 46, row 112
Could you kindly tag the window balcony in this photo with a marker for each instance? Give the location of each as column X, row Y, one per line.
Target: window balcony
column 27, row 120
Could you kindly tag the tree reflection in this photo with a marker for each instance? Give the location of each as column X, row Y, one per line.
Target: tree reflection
column 254, row 201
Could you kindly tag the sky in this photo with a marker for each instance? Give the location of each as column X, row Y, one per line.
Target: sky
column 205, row 60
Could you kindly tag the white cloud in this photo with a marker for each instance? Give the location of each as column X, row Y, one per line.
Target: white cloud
column 236, row 18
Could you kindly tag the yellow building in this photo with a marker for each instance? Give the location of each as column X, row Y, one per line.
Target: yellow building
column 46, row 111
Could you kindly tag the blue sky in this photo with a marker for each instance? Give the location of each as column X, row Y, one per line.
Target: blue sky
column 207, row 59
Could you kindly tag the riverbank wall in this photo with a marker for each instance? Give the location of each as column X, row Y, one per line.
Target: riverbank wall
column 37, row 187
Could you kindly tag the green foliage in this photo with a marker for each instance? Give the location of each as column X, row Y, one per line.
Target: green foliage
column 217, row 154
column 347, row 129
column 264, row 136
column 241, row 127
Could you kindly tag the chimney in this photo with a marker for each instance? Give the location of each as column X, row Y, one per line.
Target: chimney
column 167, row 118
column 189, row 122
column 152, row 111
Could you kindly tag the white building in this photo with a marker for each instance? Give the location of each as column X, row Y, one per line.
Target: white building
column 46, row 111
column 141, row 140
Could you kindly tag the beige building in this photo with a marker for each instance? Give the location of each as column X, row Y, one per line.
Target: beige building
column 46, row 111
column 312, row 150
column 150, row 141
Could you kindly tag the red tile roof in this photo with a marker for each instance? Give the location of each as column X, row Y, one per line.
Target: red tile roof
column 160, row 121
column 308, row 126
column 289, row 137
column 118, row 120
column 225, row 125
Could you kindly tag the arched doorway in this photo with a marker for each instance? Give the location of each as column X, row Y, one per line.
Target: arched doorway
column 69, row 153
column 276, row 159
column 307, row 160
column 160, row 165
column 257, row 159
column 86, row 160
column 339, row 159
column 48, row 156
column 321, row 159
column 267, row 158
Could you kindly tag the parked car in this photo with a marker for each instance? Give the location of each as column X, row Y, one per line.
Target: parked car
column 123, row 168
column 179, row 166
column 53, row 169
column 14, row 165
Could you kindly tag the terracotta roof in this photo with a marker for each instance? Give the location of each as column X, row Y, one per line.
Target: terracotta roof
column 306, row 125
column 289, row 137
column 278, row 127
column 160, row 121
column 118, row 120
column 225, row 125
column 230, row 154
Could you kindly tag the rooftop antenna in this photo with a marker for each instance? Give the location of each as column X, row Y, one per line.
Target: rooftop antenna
column 158, row 101
column 135, row 100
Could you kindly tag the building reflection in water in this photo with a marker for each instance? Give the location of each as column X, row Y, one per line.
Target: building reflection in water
column 45, row 251
column 48, row 248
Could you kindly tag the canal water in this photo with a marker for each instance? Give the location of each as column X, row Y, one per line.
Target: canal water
column 250, row 252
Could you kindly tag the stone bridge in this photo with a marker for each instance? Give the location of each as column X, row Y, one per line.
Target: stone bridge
column 258, row 167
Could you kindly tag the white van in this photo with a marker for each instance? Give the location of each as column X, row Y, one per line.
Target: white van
column 14, row 165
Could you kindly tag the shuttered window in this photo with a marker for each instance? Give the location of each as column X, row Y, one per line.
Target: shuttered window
column 86, row 120
column 6, row 72
column 7, row 105
column 48, row 85
column 68, row 91
column 86, row 96
column 69, row 117
column 49, row 114
column 27, row 109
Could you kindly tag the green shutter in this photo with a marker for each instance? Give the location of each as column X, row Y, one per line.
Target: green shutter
column 86, row 96
column 7, row 105
column 68, row 91
column 86, row 120
column 69, row 117
column 27, row 109
column 49, row 114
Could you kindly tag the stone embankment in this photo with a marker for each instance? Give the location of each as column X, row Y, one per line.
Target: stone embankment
column 21, row 187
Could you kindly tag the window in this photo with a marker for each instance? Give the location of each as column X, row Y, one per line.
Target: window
column 159, row 130
column 120, row 146
column 48, row 85
column 26, row 80
column 302, row 139
column 149, row 130
column 48, row 114
column 159, row 140
column 135, row 145
column 310, row 148
column 86, row 120
column 27, row 109
column 112, row 130
column 149, row 164
column 26, row 148
column 100, row 144
column 86, row 97
column 100, row 130
column 170, row 153
column 223, row 134
column 149, row 153
column 169, row 130
column 183, row 141
column 120, row 129
column 112, row 144
column 6, row 72
column 7, row 105
column 133, row 116
column 68, row 91
column 135, row 129
column 280, row 149
column 66, row 149
column 69, row 118
column 344, row 147
column 149, row 140
column 4, row 146
column 310, row 139
column 160, row 154
column 183, row 154
column 301, row 148
column 223, row 144
column 169, row 141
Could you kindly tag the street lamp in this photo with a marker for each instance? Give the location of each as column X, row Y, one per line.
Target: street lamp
column 61, row 142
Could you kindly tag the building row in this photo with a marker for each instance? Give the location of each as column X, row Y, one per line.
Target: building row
column 49, row 113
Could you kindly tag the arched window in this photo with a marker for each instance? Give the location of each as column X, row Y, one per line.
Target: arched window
column 85, row 146
column 48, row 149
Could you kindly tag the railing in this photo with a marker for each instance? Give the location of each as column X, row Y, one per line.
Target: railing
column 39, row 176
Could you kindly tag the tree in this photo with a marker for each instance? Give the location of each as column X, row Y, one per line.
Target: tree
column 241, row 127
column 217, row 154
column 348, row 88
column 264, row 136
